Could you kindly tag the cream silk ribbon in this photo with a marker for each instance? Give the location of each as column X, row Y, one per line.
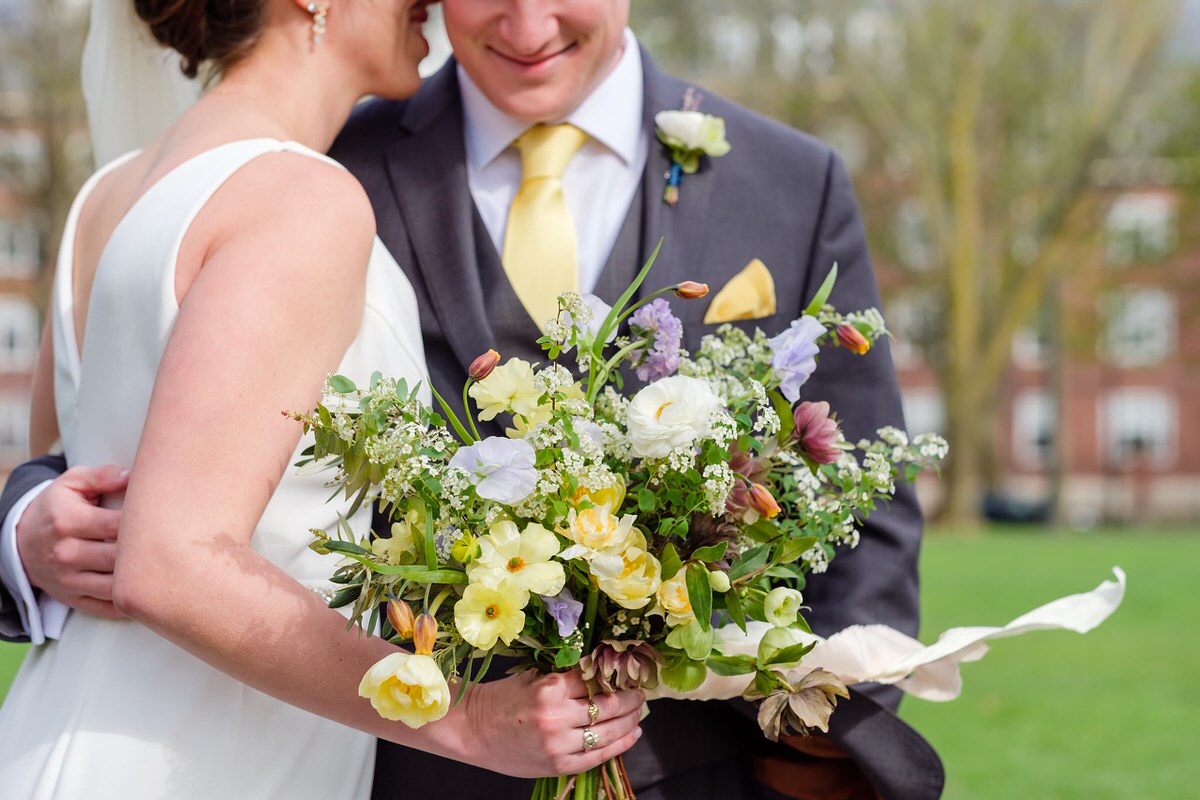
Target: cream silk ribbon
column 877, row 653
column 540, row 250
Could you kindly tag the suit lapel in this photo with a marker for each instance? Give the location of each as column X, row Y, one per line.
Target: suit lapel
column 428, row 173
column 681, row 228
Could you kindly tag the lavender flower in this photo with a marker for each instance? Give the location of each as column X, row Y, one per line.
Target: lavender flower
column 565, row 609
column 501, row 469
column 662, row 358
column 795, row 355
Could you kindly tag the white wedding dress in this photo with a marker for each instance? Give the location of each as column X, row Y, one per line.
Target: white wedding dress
column 112, row 710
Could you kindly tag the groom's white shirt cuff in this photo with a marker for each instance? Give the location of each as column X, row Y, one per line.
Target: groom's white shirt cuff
column 42, row 618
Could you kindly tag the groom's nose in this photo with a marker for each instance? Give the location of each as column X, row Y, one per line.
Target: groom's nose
column 529, row 26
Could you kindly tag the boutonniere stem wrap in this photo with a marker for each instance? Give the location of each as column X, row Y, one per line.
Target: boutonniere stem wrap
column 689, row 135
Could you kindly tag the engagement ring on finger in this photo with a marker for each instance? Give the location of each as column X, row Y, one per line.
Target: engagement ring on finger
column 590, row 738
column 593, row 712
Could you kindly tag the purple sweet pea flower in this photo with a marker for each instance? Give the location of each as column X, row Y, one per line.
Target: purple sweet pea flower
column 662, row 357
column 501, row 469
column 795, row 355
column 565, row 609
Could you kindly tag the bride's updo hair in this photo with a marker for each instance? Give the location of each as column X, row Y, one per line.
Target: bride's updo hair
column 220, row 31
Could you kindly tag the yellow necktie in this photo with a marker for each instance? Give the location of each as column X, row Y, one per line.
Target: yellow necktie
column 540, row 252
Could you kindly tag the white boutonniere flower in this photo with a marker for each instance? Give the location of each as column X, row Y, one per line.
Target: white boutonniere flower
column 689, row 135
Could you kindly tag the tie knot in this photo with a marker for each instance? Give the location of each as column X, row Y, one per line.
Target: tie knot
column 546, row 149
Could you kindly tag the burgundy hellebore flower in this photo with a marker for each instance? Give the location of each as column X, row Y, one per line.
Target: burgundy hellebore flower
column 629, row 664
column 816, row 433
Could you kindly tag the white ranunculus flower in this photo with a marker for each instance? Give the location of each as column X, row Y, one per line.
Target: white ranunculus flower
column 670, row 413
column 694, row 131
column 406, row 687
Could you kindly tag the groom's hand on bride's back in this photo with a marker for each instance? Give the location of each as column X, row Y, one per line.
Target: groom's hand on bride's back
column 67, row 542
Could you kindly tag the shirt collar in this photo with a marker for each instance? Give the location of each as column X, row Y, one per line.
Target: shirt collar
column 611, row 114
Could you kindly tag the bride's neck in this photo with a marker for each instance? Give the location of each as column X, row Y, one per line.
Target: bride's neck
column 307, row 97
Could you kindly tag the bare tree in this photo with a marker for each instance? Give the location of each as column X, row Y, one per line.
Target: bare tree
column 982, row 120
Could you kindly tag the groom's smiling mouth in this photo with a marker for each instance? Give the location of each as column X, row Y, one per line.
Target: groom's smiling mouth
column 534, row 63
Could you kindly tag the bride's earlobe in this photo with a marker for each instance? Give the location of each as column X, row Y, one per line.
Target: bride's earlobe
column 320, row 14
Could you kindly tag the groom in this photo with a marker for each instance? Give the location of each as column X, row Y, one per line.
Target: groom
column 442, row 175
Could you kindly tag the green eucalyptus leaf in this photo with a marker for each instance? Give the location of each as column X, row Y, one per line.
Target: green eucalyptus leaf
column 790, row 655
column 684, row 674
column 787, row 422
column 700, row 593
column 792, row 549
column 567, row 657
column 670, row 562
column 749, row 561
column 711, row 553
column 730, row 665
column 733, row 604
column 342, row 385
column 692, row 639
column 646, row 500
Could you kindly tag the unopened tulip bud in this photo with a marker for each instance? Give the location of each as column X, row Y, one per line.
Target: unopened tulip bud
column 762, row 501
column 851, row 338
column 690, row 290
column 400, row 614
column 425, row 634
column 483, row 365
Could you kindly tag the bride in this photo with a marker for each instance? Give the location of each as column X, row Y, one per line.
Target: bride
column 206, row 284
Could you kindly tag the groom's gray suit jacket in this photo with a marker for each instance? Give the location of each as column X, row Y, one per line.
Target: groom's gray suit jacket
column 778, row 196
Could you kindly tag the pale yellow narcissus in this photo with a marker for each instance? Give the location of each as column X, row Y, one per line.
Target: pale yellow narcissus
column 596, row 529
column 611, row 496
column 523, row 557
column 673, row 600
column 631, row 578
column 541, row 413
column 486, row 613
column 509, row 387
column 407, row 687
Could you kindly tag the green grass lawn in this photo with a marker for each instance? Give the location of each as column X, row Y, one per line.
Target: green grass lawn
column 1114, row 714
column 1054, row 715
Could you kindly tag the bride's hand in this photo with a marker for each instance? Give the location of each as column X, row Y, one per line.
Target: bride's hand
column 533, row 725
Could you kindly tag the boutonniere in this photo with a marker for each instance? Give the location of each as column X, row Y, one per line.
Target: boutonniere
column 689, row 135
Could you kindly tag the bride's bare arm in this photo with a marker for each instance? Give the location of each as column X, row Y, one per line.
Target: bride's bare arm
column 269, row 314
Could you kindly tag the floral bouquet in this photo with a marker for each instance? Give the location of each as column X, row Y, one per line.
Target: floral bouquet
column 614, row 528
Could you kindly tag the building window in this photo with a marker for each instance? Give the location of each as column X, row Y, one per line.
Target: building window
column 1140, row 326
column 1035, row 419
column 18, row 334
column 20, row 247
column 1138, row 428
column 1140, row 228
column 924, row 411
column 14, row 428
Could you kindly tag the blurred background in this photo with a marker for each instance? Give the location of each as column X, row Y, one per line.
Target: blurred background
column 1029, row 174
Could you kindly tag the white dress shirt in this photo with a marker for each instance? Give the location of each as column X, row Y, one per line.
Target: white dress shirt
column 600, row 180
column 42, row 617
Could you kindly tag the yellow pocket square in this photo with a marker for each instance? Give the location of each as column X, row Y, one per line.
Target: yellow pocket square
column 749, row 295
